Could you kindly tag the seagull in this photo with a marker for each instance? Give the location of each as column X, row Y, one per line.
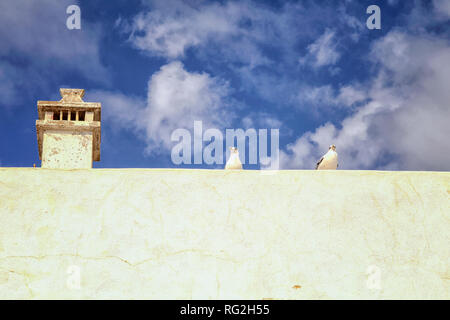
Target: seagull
column 329, row 161
column 233, row 162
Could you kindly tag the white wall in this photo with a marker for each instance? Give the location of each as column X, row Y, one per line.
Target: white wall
column 181, row 234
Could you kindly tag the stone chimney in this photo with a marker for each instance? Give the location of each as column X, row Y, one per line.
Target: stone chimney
column 68, row 131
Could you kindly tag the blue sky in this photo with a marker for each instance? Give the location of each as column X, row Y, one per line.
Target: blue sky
column 312, row 69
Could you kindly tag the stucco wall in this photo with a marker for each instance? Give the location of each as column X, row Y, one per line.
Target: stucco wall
column 142, row 233
column 63, row 148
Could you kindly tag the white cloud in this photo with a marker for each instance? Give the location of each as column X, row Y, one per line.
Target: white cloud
column 261, row 120
column 321, row 96
column 171, row 31
column 355, row 24
column 442, row 8
column 36, row 36
column 349, row 95
column 120, row 110
column 176, row 98
column 323, row 51
column 404, row 125
column 258, row 43
column 324, row 98
column 234, row 32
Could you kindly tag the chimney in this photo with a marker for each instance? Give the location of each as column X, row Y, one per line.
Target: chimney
column 68, row 131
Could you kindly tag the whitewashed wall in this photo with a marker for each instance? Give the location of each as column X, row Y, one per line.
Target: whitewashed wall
column 181, row 234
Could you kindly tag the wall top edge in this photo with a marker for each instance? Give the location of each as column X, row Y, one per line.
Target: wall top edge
column 262, row 172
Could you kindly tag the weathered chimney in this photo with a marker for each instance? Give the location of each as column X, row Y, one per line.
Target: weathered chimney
column 68, row 131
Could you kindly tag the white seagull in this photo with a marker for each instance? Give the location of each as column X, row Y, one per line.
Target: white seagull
column 233, row 162
column 329, row 161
